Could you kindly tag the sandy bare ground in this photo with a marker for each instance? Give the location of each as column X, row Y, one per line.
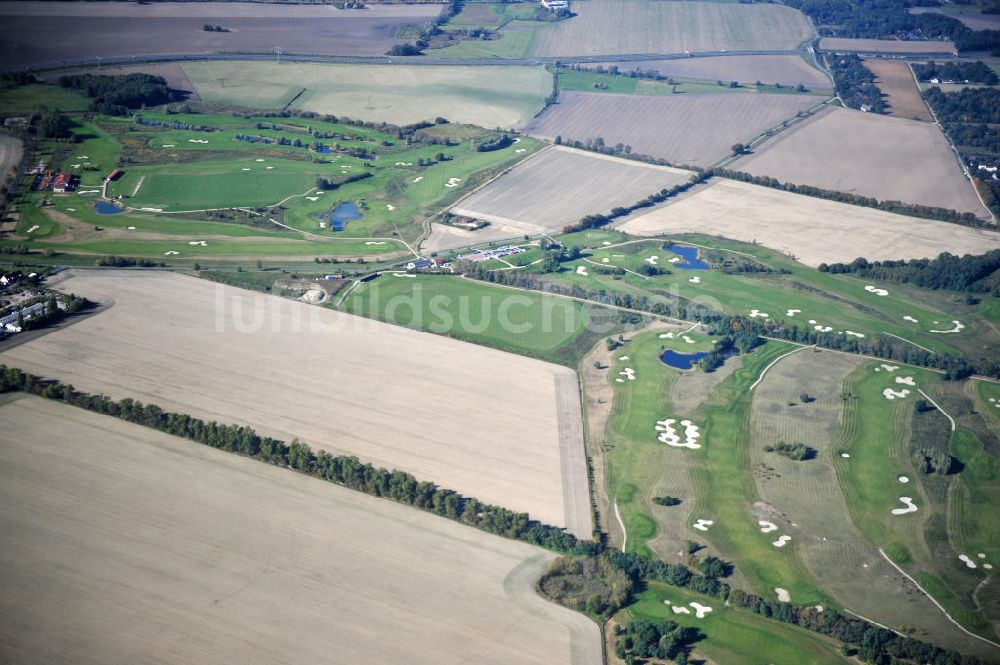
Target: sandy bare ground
column 848, row 45
column 125, row 545
column 473, row 419
column 443, row 237
column 788, row 70
column 686, row 129
column 896, row 80
column 870, row 155
column 11, row 150
column 50, row 33
column 813, row 230
column 560, row 185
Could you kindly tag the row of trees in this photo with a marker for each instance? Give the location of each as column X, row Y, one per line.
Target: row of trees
column 959, row 72
column 969, row 273
column 855, row 84
column 116, row 95
column 595, row 221
column 742, row 341
column 342, row 470
column 328, row 185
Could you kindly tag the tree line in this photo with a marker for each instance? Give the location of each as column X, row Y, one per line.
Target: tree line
column 116, row 95
column 347, row 471
column 959, row 72
column 598, row 220
column 855, row 84
column 969, row 273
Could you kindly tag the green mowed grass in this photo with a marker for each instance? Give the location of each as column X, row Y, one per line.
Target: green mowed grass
column 974, row 500
column 97, row 153
column 593, row 81
column 528, row 323
column 735, row 636
column 30, row 98
column 512, row 44
column 989, row 398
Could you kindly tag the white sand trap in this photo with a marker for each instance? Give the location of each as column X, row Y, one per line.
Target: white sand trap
column 782, row 541
column 606, row 242
column 680, row 610
column 910, row 506
column 605, row 260
column 903, row 479
column 845, row 455
column 32, row 229
column 322, row 225
column 669, row 435
column 404, row 274
column 519, row 151
column 889, row 393
column 666, row 335
column 687, row 339
column 906, row 380
column 246, row 168
column 75, row 166
column 854, row 334
column 793, row 312
column 988, row 566
column 84, row 157
column 622, row 357
column 957, row 327
column 767, row 527
column 418, row 178
column 702, row 525
column 270, row 168
column 651, row 260
column 312, row 198
column 71, row 209
column 823, row 328
column 967, row 561
column 700, row 610
column 152, row 209
column 628, row 373
column 782, row 594
column 675, row 259
column 620, row 380
column 877, row 291
column 389, row 206
column 375, row 242
column 258, row 160
column 168, row 145
column 981, row 555
column 84, row 192
column 754, row 313
column 453, row 182
column 695, row 280
column 171, row 253
column 889, row 368
column 580, row 270
column 812, row 322
column 910, row 319
column 131, row 228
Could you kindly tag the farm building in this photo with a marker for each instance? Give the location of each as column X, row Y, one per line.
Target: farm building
column 9, row 322
column 114, row 175
column 63, row 183
column 419, row 264
column 553, row 5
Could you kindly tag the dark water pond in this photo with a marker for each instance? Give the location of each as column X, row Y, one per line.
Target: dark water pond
column 681, row 360
column 690, row 256
column 107, row 208
column 342, row 214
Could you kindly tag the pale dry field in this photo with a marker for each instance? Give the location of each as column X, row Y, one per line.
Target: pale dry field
column 788, row 70
column 57, row 32
column 11, row 150
column 891, row 159
column 813, row 230
column 560, row 185
column 126, row 545
column 685, row 129
column 971, row 20
column 613, row 27
column 848, row 45
column 400, row 94
column 896, row 81
column 443, row 237
column 486, row 423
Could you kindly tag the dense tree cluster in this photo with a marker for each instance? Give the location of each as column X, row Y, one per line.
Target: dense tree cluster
column 931, row 460
column 741, row 341
column 586, row 584
column 328, row 185
column 798, row 451
column 112, row 261
column 116, row 95
column 498, row 143
column 343, row 470
column 957, row 72
column 663, row 640
column 666, row 500
column 51, row 124
column 970, row 273
column 855, row 84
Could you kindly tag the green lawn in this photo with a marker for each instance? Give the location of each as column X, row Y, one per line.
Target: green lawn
column 29, row 98
column 735, row 636
column 512, row 44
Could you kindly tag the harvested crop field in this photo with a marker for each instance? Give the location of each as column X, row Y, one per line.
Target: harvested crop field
column 400, row 94
column 813, row 230
column 790, row 70
column 972, row 20
column 173, row 72
column 613, row 27
column 11, row 150
column 443, row 238
column 891, row 159
column 127, row 545
column 896, row 81
column 688, row 129
column 39, row 33
column 849, row 45
column 392, row 396
column 526, row 197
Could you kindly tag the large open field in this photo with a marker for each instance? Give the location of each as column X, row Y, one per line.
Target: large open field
column 392, row 396
column 849, row 45
column 44, row 33
column 824, row 231
column 611, row 27
column 896, row 81
column 125, row 545
column 788, row 70
column 688, row 129
column 400, row 94
column 869, row 155
column 527, row 198
column 968, row 14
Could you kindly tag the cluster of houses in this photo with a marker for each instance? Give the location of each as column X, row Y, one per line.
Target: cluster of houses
column 60, row 183
column 11, row 324
column 426, row 264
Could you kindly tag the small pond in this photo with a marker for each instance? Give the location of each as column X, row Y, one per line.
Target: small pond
column 342, row 214
column 107, row 208
column 690, row 256
column 681, row 360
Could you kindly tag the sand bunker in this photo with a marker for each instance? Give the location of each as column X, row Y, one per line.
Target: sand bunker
column 906, row 380
column 168, row 145
column 375, row 242
column 967, row 561
column 700, row 610
column 910, row 319
column 957, row 327
column 890, row 368
column 767, row 527
column 131, row 228
column 910, row 506
column 246, row 168
column 782, row 595
column 669, row 436
column 889, row 393
column 695, row 280
column 258, row 160
column 85, row 192
column 312, row 198
column 651, row 260
column 782, row 541
column 675, row 259
column 820, row 328
column 70, row 209
column 622, row 357
column 32, row 229
column 581, row 270
column 877, row 291
column 195, row 243
column 702, row 525
column 854, row 334
column 754, row 313
column 845, row 455
column 418, row 178
column 666, row 335
column 269, row 168
column 404, row 274
column 628, row 373
column 171, row 253
column 903, row 479
column 389, row 206
column 680, row 610
column 197, row 141
column 453, row 182
column 687, row 339
column 793, row 312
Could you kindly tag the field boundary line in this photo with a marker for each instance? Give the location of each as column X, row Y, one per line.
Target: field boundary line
column 933, row 600
column 618, row 516
column 763, row 372
column 938, row 407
